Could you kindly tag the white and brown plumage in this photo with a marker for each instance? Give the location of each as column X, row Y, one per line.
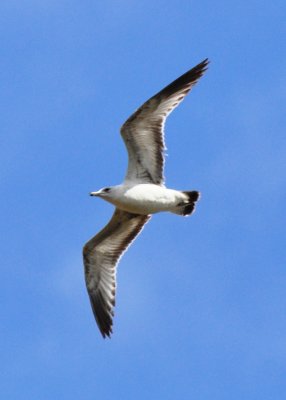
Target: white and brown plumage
column 142, row 193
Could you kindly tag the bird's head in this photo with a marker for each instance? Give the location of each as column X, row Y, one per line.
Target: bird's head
column 104, row 192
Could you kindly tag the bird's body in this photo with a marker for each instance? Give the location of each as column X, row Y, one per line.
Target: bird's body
column 145, row 198
column 141, row 194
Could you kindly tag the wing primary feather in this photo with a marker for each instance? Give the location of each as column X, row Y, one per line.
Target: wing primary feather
column 189, row 78
column 143, row 132
column 101, row 255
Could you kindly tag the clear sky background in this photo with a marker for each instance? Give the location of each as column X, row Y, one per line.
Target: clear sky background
column 201, row 301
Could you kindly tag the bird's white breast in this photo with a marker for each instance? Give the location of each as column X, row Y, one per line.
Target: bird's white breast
column 145, row 198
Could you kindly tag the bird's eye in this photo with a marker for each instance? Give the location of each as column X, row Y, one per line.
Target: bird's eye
column 106, row 190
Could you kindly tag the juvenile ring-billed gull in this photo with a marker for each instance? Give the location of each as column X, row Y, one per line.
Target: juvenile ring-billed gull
column 142, row 193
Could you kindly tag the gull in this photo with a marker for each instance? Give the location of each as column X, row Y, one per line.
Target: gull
column 142, row 193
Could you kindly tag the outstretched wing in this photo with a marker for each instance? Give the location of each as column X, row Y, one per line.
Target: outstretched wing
column 143, row 132
column 101, row 255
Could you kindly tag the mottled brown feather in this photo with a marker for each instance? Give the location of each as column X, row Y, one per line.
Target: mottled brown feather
column 101, row 255
column 143, row 132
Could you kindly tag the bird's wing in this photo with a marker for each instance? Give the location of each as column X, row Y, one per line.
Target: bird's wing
column 101, row 255
column 143, row 132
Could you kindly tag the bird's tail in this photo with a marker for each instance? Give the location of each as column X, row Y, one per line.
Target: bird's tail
column 187, row 206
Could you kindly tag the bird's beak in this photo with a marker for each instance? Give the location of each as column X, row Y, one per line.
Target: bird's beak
column 95, row 193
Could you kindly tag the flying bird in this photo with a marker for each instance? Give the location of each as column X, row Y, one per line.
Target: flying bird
column 142, row 193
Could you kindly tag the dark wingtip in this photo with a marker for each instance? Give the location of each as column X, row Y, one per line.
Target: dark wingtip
column 204, row 65
column 103, row 314
column 197, row 71
column 205, row 62
column 106, row 334
column 105, row 330
column 187, row 80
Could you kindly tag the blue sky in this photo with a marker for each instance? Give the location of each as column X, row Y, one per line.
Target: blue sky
column 201, row 305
